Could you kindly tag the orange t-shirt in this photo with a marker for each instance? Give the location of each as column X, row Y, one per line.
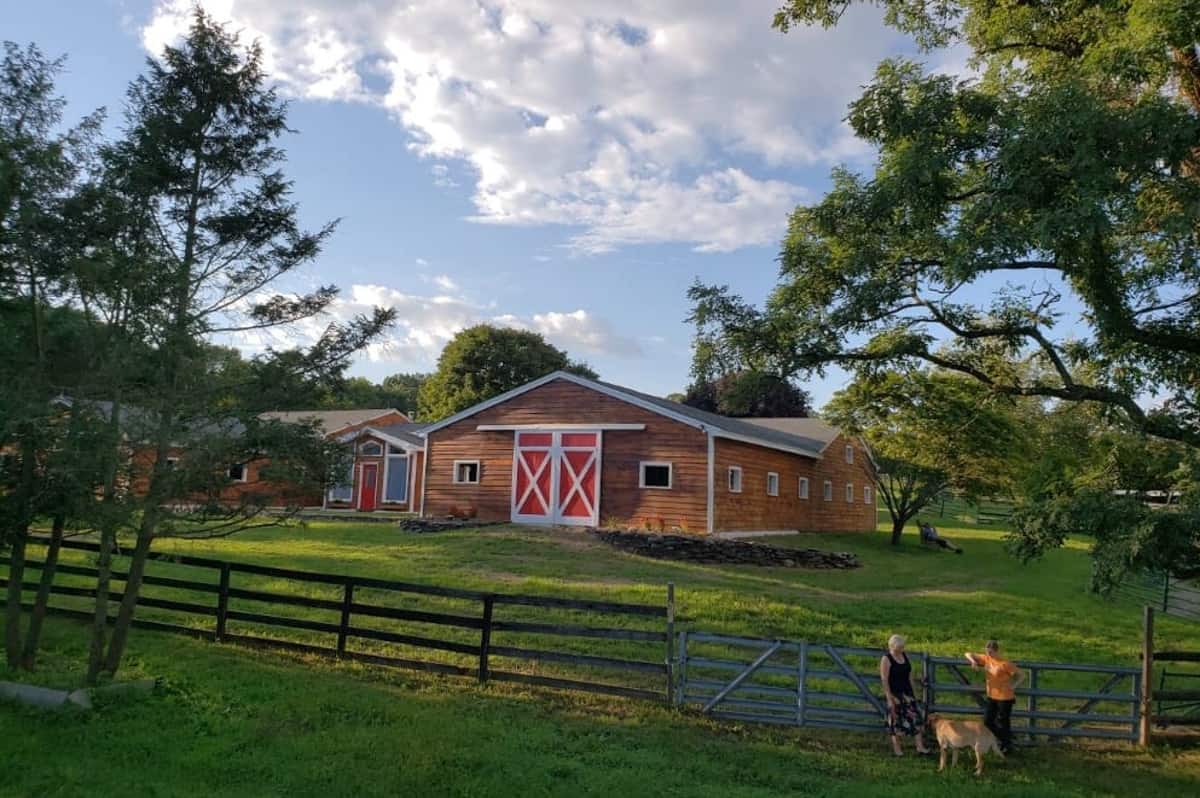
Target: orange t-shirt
column 999, row 676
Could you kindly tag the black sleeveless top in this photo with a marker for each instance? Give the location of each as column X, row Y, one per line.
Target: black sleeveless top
column 900, row 676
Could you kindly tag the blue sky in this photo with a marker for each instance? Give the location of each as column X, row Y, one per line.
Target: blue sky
column 558, row 166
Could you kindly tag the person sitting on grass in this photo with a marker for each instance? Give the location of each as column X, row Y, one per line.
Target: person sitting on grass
column 930, row 535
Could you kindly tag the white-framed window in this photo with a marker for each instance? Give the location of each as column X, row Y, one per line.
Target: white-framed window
column 803, row 487
column 395, row 479
column 735, row 479
column 850, row 493
column 849, row 453
column 466, row 472
column 238, row 472
column 342, row 489
column 828, row 494
column 867, row 497
column 370, row 449
column 655, row 475
column 172, row 462
column 772, row 483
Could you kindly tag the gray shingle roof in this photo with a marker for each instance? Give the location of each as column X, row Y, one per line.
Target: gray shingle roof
column 330, row 420
column 410, row 432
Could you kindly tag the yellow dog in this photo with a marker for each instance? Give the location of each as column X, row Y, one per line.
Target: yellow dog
column 955, row 734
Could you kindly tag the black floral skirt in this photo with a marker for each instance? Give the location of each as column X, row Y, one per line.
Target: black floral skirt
column 905, row 717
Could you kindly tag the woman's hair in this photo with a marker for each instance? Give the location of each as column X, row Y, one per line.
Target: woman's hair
column 993, row 644
column 895, row 641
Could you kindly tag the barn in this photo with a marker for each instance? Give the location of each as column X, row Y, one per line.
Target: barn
column 566, row 450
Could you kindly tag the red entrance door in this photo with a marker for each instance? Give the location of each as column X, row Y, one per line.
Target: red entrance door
column 367, row 486
column 556, row 478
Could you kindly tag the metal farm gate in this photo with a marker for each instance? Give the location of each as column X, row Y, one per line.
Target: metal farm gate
column 801, row 683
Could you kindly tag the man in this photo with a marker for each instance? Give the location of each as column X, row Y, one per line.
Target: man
column 1002, row 678
column 930, row 535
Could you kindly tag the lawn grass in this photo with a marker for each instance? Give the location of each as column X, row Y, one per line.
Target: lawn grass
column 232, row 721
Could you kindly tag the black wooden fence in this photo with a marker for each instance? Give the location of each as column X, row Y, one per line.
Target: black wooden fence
column 469, row 636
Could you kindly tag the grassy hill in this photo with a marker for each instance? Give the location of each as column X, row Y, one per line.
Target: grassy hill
column 233, row 721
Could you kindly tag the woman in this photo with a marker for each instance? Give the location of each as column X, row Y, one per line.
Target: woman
column 904, row 714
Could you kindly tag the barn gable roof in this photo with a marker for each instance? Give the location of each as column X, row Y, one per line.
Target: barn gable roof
column 330, row 421
column 717, row 425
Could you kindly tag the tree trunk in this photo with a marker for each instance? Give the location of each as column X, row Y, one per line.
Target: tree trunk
column 23, row 501
column 12, row 607
column 897, row 529
column 40, row 602
column 100, row 614
column 133, row 586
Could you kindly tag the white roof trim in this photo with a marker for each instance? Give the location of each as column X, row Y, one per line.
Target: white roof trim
column 559, row 427
column 615, row 394
column 561, row 375
column 407, row 446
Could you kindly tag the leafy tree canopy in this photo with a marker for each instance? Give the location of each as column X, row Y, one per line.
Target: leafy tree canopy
column 749, row 394
column 929, row 431
column 485, row 361
column 1067, row 172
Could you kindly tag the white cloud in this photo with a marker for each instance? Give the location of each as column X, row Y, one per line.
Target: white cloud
column 652, row 121
column 444, row 282
column 424, row 324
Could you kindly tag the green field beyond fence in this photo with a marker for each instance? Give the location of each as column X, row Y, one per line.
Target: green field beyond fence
column 232, row 720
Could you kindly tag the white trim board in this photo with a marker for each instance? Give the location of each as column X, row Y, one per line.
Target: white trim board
column 560, row 427
column 754, row 533
column 374, row 433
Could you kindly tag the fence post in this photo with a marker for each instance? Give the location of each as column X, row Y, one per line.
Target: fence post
column 925, row 665
column 1146, row 717
column 931, row 688
column 222, row 602
column 344, row 623
column 670, row 643
column 801, row 678
column 485, row 639
column 681, row 693
column 1033, row 701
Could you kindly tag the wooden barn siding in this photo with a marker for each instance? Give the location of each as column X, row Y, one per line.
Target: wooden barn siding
column 561, row 402
column 753, row 509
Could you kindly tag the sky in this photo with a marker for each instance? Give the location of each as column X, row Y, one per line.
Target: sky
column 553, row 165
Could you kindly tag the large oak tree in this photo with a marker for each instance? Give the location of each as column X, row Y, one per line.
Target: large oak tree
column 1067, row 172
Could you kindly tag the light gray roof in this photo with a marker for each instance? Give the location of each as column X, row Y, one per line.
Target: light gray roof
column 410, row 432
column 330, row 420
column 813, row 428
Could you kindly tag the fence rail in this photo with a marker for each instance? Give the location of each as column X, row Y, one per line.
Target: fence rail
column 468, row 629
column 800, row 683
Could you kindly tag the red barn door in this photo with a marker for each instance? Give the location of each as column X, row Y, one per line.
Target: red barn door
column 368, row 486
column 556, row 478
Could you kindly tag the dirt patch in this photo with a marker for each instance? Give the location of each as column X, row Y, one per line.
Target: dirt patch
column 712, row 551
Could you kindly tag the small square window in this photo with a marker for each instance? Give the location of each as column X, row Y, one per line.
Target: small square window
column 803, row 487
column 866, row 494
column 828, row 496
column 466, row 472
column 850, row 492
column 849, row 453
column 237, row 472
column 655, row 475
column 172, row 463
column 772, row 483
column 735, row 479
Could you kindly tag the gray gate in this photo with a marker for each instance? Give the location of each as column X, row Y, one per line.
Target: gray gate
column 800, row 683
